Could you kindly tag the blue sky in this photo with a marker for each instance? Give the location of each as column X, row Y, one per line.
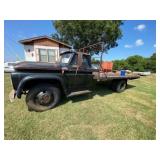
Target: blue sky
column 139, row 38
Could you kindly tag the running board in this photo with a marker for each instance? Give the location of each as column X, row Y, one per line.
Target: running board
column 78, row 93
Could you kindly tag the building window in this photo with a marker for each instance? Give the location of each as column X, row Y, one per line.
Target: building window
column 51, row 55
column 43, row 55
column 47, row 55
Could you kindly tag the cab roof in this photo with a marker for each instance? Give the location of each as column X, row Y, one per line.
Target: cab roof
column 74, row 52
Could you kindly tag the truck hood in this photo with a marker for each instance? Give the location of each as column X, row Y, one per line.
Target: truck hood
column 37, row 66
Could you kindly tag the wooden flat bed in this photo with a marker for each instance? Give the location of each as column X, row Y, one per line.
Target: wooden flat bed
column 101, row 76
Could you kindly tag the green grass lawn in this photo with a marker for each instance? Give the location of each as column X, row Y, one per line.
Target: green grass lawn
column 102, row 114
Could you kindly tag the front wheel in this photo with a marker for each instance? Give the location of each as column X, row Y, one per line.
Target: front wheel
column 119, row 85
column 43, row 97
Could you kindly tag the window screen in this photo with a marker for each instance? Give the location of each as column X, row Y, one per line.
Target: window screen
column 43, row 55
column 47, row 55
column 51, row 55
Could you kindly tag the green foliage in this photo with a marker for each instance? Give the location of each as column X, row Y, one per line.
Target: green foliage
column 120, row 64
column 81, row 33
column 136, row 63
column 151, row 63
column 95, row 61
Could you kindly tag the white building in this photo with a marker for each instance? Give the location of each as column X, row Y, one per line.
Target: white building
column 43, row 49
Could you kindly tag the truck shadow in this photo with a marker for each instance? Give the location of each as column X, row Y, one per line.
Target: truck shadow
column 100, row 90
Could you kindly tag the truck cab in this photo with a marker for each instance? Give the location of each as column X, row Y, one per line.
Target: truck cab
column 45, row 83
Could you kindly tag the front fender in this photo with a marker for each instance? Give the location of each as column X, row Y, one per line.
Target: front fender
column 38, row 77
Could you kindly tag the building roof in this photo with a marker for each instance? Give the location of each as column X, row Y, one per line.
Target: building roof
column 25, row 41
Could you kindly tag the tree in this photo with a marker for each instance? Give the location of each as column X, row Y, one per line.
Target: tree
column 81, row 33
column 136, row 63
column 95, row 61
column 120, row 64
column 151, row 63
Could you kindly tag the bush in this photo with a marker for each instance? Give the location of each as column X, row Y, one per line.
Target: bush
column 136, row 63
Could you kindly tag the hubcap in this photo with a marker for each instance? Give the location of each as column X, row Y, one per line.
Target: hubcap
column 44, row 97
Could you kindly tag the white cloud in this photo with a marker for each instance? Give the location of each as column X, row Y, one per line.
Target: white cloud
column 140, row 27
column 139, row 42
column 128, row 46
column 154, row 45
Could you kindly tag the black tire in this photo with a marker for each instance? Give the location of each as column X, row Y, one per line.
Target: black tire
column 43, row 97
column 119, row 85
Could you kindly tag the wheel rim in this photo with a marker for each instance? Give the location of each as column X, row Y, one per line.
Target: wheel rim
column 44, row 98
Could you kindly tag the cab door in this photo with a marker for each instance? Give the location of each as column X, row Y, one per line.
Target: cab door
column 82, row 73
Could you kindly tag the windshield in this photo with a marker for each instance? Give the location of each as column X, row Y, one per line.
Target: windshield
column 65, row 58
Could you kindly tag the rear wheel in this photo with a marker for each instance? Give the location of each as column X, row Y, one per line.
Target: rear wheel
column 119, row 85
column 43, row 97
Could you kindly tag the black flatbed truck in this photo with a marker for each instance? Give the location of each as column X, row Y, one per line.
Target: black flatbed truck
column 45, row 83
